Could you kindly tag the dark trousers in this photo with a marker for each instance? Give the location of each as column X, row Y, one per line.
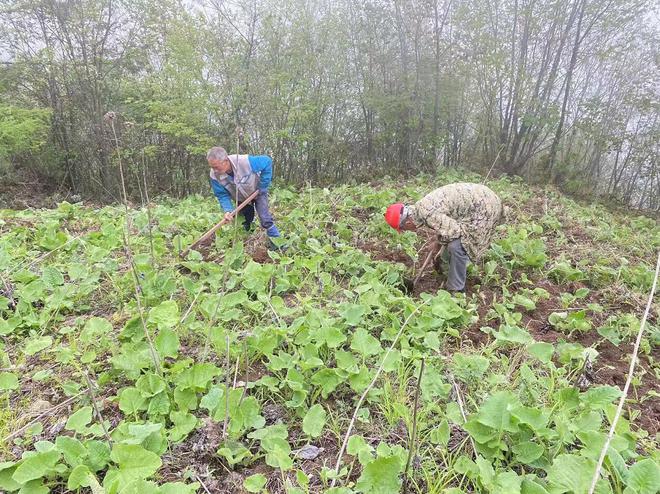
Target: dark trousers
column 260, row 205
column 458, row 261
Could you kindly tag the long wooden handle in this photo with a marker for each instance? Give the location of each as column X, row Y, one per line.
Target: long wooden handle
column 208, row 234
column 426, row 262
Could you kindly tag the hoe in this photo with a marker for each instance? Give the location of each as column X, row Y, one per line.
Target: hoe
column 210, row 233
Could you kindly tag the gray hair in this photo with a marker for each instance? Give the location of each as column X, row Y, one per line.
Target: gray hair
column 216, row 153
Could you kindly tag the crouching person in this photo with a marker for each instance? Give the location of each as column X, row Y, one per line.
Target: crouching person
column 464, row 217
column 234, row 178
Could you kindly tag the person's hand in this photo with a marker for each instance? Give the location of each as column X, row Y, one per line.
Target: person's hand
column 229, row 217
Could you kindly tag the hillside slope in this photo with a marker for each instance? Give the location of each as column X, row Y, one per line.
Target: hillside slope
column 120, row 362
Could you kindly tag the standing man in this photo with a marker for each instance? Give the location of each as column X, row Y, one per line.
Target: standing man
column 464, row 217
column 235, row 177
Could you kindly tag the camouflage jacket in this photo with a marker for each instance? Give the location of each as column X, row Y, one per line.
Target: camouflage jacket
column 463, row 210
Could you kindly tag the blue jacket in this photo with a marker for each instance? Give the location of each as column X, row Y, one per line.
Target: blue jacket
column 263, row 165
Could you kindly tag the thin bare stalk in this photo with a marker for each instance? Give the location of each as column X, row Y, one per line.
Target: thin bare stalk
column 413, row 437
column 149, row 217
column 192, row 304
column 461, row 407
column 247, row 373
column 493, row 165
column 40, row 416
column 227, row 381
column 626, row 387
column 97, row 411
column 9, row 293
column 206, row 489
column 110, row 116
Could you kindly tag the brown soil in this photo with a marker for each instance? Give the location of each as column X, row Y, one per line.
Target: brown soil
column 260, row 255
column 429, row 282
column 611, row 366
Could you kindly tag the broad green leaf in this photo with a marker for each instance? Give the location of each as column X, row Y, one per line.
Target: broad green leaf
column 347, row 361
column 433, row 384
column 184, row 423
column 496, row 411
column 469, row 368
column 148, row 435
column 150, row 385
column 542, row 351
column 534, row 417
column 255, row 483
column 167, row 343
column 381, row 476
column 571, row 473
column 37, row 344
column 34, row 487
column 445, row 307
column 527, row 452
column 278, row 453
column 73, row 450
column 234, row 452
column 531, row 487
column 134, row 462
column 95, row 328
column 79, row 477
column 333, row 337
column 186, row 399
column 440, row 434
column 643, row 477
column 7, row 469
column 98, row 454
column 513, row 334
column 507, row 483
column 159, row 405
column 353, row 313
column 8, row 381
column 131, row 401
column 364, row 343
column 52, row 277
column 314, row 421
column 165, row 315
column 392, row 361
column 600, row 397
column 234, row 298
column 357, row 446
column 139, row 486
column 36, row 466
column 328, row 380
column 79, row 420
column 197, row 377
column 524, row 301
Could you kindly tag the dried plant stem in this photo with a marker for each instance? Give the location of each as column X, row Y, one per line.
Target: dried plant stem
column 149, row 217
column 227, row 381
column 8, row 291
column 206, row 489
column 97, row 411
column 413, row 437
column 366, row 391
column 461, row 407
column 626, row 387
column 40, row 416
column 129, row 255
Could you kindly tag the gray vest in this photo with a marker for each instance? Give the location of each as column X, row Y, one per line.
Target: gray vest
column 244, row 182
